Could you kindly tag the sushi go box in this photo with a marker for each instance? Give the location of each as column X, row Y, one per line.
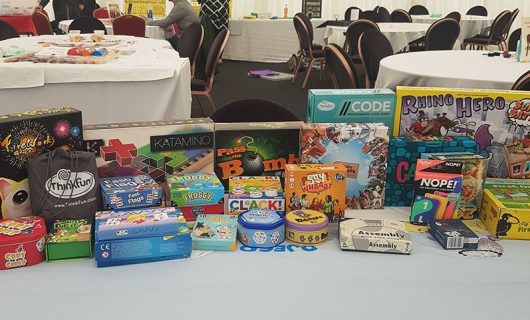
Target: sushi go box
column 249, row 193
column 217, row 232
column 69, row 239
column 374, row 235
column 130, row 192
column 453, row 234
column 22, row 242
column 261, row 228
column 196, row 193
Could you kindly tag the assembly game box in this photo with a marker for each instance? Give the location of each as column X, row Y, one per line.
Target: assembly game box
column 69, row 239
column 361, row 148
column 248, row 193
column 215, row 232
column 119, row 193
column 25, row 136
column 453, row 234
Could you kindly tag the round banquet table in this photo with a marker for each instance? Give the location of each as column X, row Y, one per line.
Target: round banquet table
column 152, row 83
column 152, row 32
column 469, row 25
column 453, row 69
column 399, row 34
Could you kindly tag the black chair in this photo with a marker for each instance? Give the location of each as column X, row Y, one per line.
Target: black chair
column 514, row 15
column 495, row 35
column 341, row 68
column 347, row 13
column 514, row 37
column 454, row 15
column 442, row 34
column 190, row 43
column 523, row 83
column 369, row 15
column 252, row 110
column 353, row 33
column 7, row 31
column 384, row 15
column 309, row 26
column 373, row 47
column 306, row 50
column 87, row 24
column 400, row 15
column 477, row 11
column 418, row 10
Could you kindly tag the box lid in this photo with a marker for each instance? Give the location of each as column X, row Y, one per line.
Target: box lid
column 261, row 219
column 306, row 220
column 258, row 125
column 50, row 112
column 66, row 231
column 255, row 187
column 122, row 125
column 195, row 189
column 25, row 229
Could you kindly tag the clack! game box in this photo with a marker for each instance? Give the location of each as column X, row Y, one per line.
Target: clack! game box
column 130, row 192
column 248, row 193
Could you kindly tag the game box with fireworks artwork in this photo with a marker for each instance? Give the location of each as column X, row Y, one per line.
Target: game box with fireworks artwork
column 506, row 208
column 25, row 136
column 130, row 192
column 248, row 193
column 437, row 190
column 255, row 149
column 361, row 147
column 499, row 122
column 217, row 232
column 69, row 239
column 153, row 148
column 453, row 234
column 22, row 242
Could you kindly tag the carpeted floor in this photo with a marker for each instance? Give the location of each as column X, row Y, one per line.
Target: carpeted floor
column 232, row 83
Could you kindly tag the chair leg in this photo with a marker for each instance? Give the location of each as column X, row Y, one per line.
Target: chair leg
column 297, row 69
column 212, row 104
column 308, row 73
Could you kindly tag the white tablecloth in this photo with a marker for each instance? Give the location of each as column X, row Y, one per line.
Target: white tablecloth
column 265, row 40
column 469, row 25
column 453, row 69
column 152, row 32
column 399, row 34
column 151, row 84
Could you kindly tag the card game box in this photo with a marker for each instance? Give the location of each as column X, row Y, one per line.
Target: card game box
column 351, row 106
column 374, row 236
column 22, row 242
column 154, row 148
column 437, row 190
column 217, row 232
column 453, row 234
column 119, row 193
column 196, row 193
column 255, row 149
column 506, row 208
column 361, row 147
column 248, row 193
column 69, row 239
column 25, row 136
column 318, row 187
column 493, row 118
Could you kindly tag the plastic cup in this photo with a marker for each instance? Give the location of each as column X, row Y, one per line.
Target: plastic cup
column 74, row 35
column 98, row 35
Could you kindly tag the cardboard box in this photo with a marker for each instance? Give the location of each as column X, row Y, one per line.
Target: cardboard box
column 506, row 208
column 27, row 135
column 69, row 239
column 130, row 192
column 453, row 234
column 248, row 193
column 255, row 149
column 216, row 232
column 361, row 147
column 351, row 106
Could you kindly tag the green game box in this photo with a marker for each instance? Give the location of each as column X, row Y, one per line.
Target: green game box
column 69, row 239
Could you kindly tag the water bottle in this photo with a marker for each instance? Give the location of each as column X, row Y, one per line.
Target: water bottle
column 286, row 11
column 149, row 13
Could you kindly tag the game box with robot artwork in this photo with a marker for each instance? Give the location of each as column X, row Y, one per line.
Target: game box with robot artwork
column 255, row 149
column 506, row 208
column 499, row 122
column 361, row 147
column 25, row 136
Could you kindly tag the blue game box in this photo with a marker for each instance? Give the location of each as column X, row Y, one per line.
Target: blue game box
column 130, row 192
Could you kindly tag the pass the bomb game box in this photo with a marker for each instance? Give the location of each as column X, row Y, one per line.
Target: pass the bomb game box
column 130, row 192
column 69, row 239
column 27, row 135
column 437, row 189
column 216, row 232
column 248, row 193
column 361, row 147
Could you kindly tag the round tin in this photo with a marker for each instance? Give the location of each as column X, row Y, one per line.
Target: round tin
column 306, row 227
column 22, row 242
column 261, row 228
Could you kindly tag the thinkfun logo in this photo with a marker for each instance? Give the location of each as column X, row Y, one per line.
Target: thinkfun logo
column 66, row 184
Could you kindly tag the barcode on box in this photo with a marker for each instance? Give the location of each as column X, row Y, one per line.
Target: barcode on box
column 455, row 242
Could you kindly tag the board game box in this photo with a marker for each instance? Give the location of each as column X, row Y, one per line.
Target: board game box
column 69, row 239
column 216, row 232
column 248, row 193
column 130, row 192
column 25, row 136
column 361, row 147
column 453, row 234
column 493, row 118
column 351, row 106
column 255, row 149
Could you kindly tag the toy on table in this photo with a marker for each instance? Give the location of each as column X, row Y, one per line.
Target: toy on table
column 22, row 242
column 69, row 239
column 247, row 193
column 216, row 232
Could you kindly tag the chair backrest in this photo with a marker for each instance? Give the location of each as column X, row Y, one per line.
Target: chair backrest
column 523, row 83
column 341, row 68
column 418, row 10
column 442, row 34
column 190, row 42
column 216, row 50
column 252, row 110
column 101, row 13
column 384, row 14
column 303, row 35
column 308, row 24
column 7, row 31
column 87, row 25
column 514, row 37
column 370, row 15
column 400, row 15
column 353, row 33
column 499, row 25
column 477, row 11
column 41, row 23
column 373, row 47
column 347, row 13
column 509, row 25
column 454, row 15
column 129, row 25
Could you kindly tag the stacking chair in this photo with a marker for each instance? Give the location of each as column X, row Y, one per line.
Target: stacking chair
column 309, row 26
column 523, row 83
column 514, row 37
column 514, row 15
column 41, row 23
column 190, row 43
column 369, row 15
column 384, row 15
column 373, row 47
column 306, row 50
column 477, row 11
column 347, row 14
column 442, row 34
column 200, row 87
column 400, row 15
column 495, row 35
column 353, row 33
column 252, row 110
column 454, row 15
column 129, row 25
column 7, row 31
column 101, row 13
column 87, row 25
column 418, row 10
column 340, row 68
